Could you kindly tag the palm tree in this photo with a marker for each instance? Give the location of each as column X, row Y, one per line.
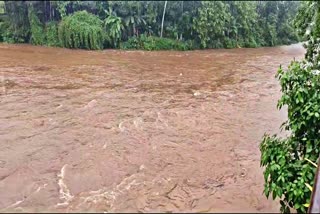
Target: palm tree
column 164, row 12
column 134, row 20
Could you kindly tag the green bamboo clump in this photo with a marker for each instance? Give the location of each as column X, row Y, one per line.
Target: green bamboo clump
column 81, row 30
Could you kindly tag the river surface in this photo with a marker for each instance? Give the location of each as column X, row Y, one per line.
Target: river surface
column 121, row 131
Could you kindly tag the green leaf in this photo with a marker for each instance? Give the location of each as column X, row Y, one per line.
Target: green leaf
column 274, row 195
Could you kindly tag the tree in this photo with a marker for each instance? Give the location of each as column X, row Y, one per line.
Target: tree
column 19, row 28
column 288, row 173
column 210, row 24
column 37, row 28
column 151, row 17
column 114, row 28
column 243, row 25
column 164, row 12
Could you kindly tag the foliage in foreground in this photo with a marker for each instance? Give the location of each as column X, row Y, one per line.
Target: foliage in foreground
column 287, row 174
column 286, row 170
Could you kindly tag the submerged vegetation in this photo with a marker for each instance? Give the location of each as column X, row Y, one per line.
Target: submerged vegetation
column 149, row 25
column 288, row 173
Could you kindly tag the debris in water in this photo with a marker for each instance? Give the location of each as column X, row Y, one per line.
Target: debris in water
column 197, row 93
column 243, row 174
column 41, row 187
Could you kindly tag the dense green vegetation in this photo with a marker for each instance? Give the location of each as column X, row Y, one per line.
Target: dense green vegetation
column 288, row 173
column 81, row 30
column 138, row 24
column 149, row 43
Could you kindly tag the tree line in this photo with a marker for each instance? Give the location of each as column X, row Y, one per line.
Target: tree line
column 149, row 24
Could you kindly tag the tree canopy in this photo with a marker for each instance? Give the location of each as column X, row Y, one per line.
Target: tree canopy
column 203, row 24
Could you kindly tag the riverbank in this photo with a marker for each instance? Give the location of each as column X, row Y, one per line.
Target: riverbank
column 8, row 45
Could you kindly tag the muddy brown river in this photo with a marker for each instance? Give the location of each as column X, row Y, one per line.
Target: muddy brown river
column 121, row 131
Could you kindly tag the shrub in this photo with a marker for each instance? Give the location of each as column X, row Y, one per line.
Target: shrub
column 14, row 35
column 10, row 33
column 3, row 28
column 52, row 34
column 288, row 174
column 230, row 43
column 81, row 30
column 286, row 170
column 250, row 43
column 16, row 27
column 132, row 43
column 155, row 43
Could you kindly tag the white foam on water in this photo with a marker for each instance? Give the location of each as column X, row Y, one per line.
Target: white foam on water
column 109, row 196
column 13, row 205
column 159, row 118
column 120, row 126
column 4, row 89
column 65, row 194
column 90, row 104
column 41, row 187
column 138, row 123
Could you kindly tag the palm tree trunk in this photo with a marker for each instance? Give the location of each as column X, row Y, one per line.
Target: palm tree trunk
column 164, row 11
column 50, row 10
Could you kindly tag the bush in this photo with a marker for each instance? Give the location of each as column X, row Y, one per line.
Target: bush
column 12, row 34
column 52, row 34
column 132, row 43
column 250, row 43
column 155, row 43
column 37, row 29
column 288, row 173
column 230, row 43
column 81, row 30
column 286, row 169
column 16, row 27
column 3, row 28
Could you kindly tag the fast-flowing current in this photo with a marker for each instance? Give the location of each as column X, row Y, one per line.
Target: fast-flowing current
column 121, row 131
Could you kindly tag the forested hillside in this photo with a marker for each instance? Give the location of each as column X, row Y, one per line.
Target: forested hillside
column 150, row 25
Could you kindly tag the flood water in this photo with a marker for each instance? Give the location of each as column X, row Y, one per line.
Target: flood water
column 120, row 131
